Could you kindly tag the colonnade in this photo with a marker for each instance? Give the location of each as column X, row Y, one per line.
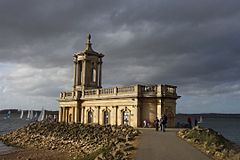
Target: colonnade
column 103, row 115
column 80, row 72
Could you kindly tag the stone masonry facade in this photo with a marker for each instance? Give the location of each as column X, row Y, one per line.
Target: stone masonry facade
column 88, row 102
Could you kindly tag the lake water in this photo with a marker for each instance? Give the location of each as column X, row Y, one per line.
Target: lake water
column 7, row 125
column 227, row 125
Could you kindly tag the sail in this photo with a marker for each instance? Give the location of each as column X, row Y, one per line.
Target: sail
column 8, row 114
column 21, row 116
column 35, row 116
column 31, row 114
column 28, row 116
column 200, row 120
column 42, row 115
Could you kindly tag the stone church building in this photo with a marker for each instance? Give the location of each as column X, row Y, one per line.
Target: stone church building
column 88, row 102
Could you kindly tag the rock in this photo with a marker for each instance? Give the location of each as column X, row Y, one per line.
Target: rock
column 77, row 139
column 210, row 141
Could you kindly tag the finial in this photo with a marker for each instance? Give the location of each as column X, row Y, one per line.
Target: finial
column 89, row 44
column 89, row 38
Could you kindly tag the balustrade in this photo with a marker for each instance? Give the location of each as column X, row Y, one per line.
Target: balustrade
column 106, row 91
column 90, row 92
column 125, row 89
column 137, row 90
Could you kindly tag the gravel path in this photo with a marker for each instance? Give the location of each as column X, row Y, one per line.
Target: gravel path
column 165, row 146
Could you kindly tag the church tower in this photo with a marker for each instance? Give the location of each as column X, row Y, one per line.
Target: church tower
column 87, row 68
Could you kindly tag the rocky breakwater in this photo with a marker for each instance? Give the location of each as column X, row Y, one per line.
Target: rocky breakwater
column 211, row 142
column 100, row 142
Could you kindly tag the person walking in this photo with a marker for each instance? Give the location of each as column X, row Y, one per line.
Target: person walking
column 189, row 120
column 165, row 119
column 195, row 122
column 162, row 124
column 156, row 123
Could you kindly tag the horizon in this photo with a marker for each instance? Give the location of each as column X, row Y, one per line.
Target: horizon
column 193, row 45
column 58, row 110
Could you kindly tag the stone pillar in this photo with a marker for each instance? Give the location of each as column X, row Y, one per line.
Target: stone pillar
column 79, row 72
column 116, row 115
column 134, row 116
column 83, row 77
column 97, row 75
column 139, row 120
column 73, row 114
column 76, row 114
column 113, row 116
column 100, row 74
column 64, row 114
column 98, row 112
column 75, row 74
column 101, row 116
column 83, row 110
column 119, row 116
column 60, row 115
column 159, row 109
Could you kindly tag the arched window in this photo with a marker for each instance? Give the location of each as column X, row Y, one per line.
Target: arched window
column 93, row 73
column 106, row 117
column 125, row 117
column 90, row 116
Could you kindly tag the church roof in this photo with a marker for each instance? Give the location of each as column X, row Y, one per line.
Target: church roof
column 88, row 50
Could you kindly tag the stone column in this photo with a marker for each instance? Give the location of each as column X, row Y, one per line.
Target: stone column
column 113, row 115
column 116, row 115
column 83, row 117
column 100, row 74
column 60, row 115
column 75, row 74
column 139, row 120
column 98, row 114
column 79, row 72
column 83, row 76
column 97, row 74
column 134, row 116
column 101, row 117
column 64, row 114
column 73, row 114
column 76, row 114
column 159, row 112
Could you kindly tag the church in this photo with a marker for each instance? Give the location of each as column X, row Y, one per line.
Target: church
column 88, row 103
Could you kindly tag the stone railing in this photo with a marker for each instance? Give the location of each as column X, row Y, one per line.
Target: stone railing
column 106, row 91
column 115, row 91
column 69, row 95
column 168, row 90
column 137, row 90
column 121, row 91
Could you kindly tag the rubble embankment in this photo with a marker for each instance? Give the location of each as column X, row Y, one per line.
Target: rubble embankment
column 211, row 142
column 78, row 140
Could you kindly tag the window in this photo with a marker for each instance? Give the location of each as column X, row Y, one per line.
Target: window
column 93, row 73
column 90, row 117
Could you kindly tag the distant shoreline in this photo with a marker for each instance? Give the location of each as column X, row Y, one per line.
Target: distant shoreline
column 17, row 110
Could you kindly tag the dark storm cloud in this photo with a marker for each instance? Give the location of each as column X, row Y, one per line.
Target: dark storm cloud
column 193, row 44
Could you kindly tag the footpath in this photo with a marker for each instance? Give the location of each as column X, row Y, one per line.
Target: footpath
column 155, row 145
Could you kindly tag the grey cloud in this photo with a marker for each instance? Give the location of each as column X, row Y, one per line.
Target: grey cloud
column 193, row 44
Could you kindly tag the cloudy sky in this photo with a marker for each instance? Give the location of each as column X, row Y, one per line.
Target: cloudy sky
column 192, row 44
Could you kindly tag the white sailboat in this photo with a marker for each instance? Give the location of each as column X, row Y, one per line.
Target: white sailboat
column 28, row 115
column 200, row 120
column 8, row 115
column 21, row 116
column 31, row 115
column 42, row 115
column 36, row 115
